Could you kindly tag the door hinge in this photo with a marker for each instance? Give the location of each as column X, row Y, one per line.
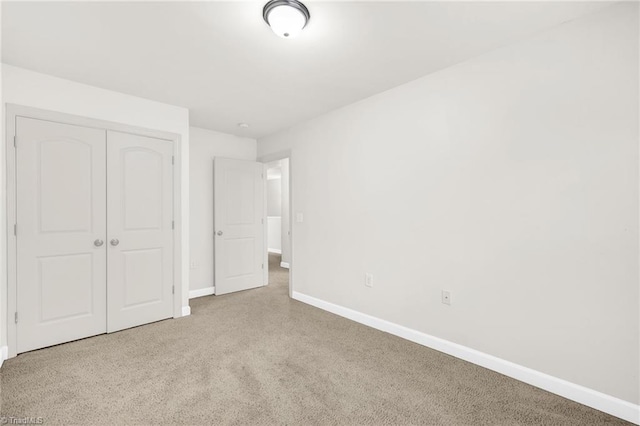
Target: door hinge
column 173, row 224
column 15, row 230
column 173, row 289
column 173, row 160
column 15, row 317
column 262, row 221
column 263, row 266
column 15, row 143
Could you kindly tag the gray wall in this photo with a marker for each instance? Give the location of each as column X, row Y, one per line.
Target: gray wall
column 510, row 180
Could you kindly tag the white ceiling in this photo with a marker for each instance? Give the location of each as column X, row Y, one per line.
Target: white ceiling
column 221, row 61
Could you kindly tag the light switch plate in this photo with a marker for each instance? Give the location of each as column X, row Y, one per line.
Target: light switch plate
column 368, row 280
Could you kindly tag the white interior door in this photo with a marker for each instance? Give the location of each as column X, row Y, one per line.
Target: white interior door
column 239, row 220
column 61, row 211
column 139, row 228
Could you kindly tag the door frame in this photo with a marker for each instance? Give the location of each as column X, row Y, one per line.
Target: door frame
column 14, row 111
column 281, row 155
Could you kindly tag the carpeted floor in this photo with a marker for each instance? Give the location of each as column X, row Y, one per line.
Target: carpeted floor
column 257, row 357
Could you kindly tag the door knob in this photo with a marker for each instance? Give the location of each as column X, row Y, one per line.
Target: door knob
column 219, row 233
column 98, row 242
column 115, row 242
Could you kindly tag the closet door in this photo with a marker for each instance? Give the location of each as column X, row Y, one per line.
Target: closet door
column 61, row 250
column 139, row 228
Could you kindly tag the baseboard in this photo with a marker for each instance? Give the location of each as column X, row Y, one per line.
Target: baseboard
column 583, row 395
column 284, row 265
column 207, row 291
column 276, row 251
column 186, row 311
column 4, row 354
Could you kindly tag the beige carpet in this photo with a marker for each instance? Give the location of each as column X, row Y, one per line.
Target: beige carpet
column 257, row 357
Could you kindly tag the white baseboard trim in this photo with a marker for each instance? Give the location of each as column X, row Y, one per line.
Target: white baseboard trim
column 4, row 354
column 186, row 311
column 284, row 265
column 276, row 251
column 207, row 291
column 583, row 395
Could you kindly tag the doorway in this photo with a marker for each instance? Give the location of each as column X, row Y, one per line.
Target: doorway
column 278, row 222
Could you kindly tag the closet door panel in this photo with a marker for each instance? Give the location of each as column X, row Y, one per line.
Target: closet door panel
column 61, row 211
column 139, row 227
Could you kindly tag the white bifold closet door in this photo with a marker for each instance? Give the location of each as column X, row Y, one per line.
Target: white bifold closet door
column 139, row 217
column 94, row 231
column 61, row 211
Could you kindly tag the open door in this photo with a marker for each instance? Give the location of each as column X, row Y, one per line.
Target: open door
column 238, row 222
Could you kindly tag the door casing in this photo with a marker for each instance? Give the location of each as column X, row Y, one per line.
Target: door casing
column 10, row 203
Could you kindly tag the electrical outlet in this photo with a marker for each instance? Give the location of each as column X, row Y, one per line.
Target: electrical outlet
column 446, row 297
column 368, row 280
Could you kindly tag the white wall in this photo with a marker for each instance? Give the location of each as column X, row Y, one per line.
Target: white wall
column 28, row 88
column 205, row 145
column 274, row 213
column 510, row 180
column 274, row 197
column 286, row 242
column 274, row 234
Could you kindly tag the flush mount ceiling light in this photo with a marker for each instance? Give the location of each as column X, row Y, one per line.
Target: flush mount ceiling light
column 286, row 18
column 243, row 125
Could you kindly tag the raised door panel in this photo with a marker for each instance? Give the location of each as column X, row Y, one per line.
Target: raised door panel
column 70, row 209
column 65, row 287
column 240, row 197
column 61, row 211
column 142, row 274
column 143, row 190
